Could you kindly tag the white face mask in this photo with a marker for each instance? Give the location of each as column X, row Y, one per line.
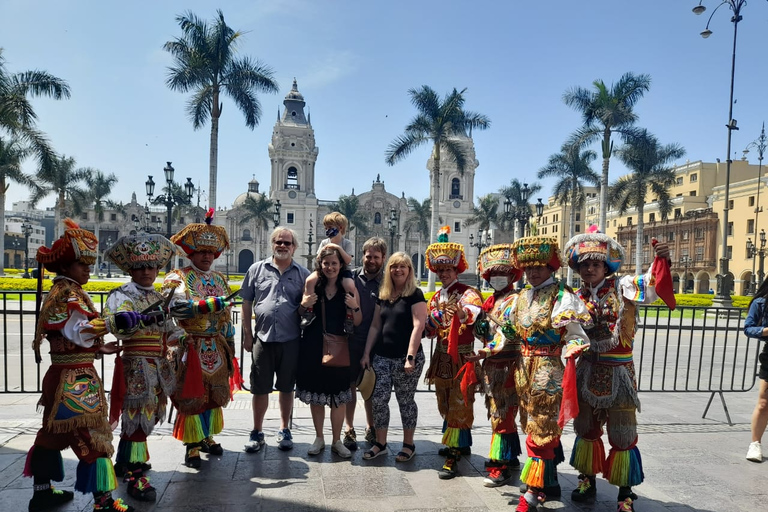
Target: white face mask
column 499, row 282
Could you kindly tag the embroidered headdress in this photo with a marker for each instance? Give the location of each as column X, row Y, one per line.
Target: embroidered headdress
column 497, row 259
column 443, row 253
column 76, row 244
column 200, row 237
column 594, row 245
column 536, row 251
column 141, row 251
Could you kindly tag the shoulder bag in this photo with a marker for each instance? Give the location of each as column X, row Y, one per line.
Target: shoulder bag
column 335, row 347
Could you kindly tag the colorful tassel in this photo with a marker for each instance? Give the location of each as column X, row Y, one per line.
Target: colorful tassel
column 532, row 473
column 188, row 429
column 504, row 447
column 624, row 468
column 454, row 437
column 98, row 476
column 588, row 456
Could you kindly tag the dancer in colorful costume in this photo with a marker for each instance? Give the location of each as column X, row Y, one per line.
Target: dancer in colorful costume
column 143, row 378
column 605, row 372
column 451, row 312
column 73, row 402
column 546, row 317
column 499, row 354
column 205, row 358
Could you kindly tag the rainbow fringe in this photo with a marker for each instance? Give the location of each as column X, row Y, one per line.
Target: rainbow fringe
column 532, row 473
column 51, row 469
column 588, row 456
column 504, row 447
column 454, row 437
column 132, row 451
column 624, row 468
column 194, row 428
column 98, row 476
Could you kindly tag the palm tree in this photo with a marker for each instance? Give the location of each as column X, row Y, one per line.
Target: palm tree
column 485, row 213
column 12, row 154
column 520, row 207
column 604, row 112
column 441, row 123
column 99, row 187
column 59, row 177
column 571, row 168
column 417, row 220
column 17, row 117
column 258, row 209
column 205, row 64
column 349, row 206
column 649, row 162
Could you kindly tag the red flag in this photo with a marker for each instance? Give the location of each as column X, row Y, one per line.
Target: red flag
column 569, row 407
column 236, row 380
column 468, row 379
column 453, row 338
column 662, row 276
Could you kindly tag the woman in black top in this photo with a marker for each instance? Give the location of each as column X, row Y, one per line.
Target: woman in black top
column 398, row 359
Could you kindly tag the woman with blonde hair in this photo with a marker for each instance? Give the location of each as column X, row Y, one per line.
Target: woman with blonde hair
column 394, row 341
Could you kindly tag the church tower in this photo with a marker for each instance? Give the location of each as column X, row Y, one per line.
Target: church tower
column 292, row 155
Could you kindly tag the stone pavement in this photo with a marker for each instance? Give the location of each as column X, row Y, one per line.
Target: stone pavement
column 690, row 464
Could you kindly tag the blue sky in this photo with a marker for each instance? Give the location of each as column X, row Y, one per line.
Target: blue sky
column 354, row 62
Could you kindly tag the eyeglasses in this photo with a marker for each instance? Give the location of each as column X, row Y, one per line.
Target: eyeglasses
column 283, row 242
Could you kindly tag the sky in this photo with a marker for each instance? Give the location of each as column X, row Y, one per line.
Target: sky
column 355, row 62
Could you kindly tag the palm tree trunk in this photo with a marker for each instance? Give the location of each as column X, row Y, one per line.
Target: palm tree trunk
column 572, row 227
column 639, row 241
column 99, row 255
column 435, row 209
column 214, row 154
column 602, row 222
column 57, row 216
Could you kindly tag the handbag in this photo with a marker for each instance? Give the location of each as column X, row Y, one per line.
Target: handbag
column 335, row 347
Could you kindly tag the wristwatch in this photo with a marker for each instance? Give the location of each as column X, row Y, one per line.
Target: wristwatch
column 409, row 357
column 356, row 309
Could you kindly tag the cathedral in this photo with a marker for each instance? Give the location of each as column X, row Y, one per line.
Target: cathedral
column 293, row 157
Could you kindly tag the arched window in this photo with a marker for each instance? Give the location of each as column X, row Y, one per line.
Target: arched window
column 456, row 189
column 293, row 178
column 246, row 235
column 377, row 218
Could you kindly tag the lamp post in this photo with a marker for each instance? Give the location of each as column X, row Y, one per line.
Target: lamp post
column 685, row 261
column 752, row 252
column 143, row 223
column 393, row 229
column 169, row 199
column 523, row 213
column 760, row 145
column 27, row 230
column 15, row 244
column 108, row 246
column 724, row 279
column 276, row 213
column 482, row 243
column 309, row 243
column 539, row 211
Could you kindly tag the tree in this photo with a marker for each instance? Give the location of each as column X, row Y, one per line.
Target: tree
column 571, row 168
column 441, row 123
column 349, row 207
column 258, row 209
column 604, row 112
column 60, row 178
column 19, row 137
column 417, row 220
column 205, row 64
column 485, row 213
column 649, row 162
column 520, row 207
column 99, row 187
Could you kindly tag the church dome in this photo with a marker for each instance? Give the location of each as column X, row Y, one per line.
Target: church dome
column 294, row 93
column 253, row 191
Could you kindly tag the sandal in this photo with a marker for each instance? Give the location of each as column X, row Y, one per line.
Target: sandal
column 403, row 456
column 370, row 454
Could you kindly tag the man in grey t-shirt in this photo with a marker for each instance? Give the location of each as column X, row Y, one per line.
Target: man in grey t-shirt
column 272, row 291
column 367, row 279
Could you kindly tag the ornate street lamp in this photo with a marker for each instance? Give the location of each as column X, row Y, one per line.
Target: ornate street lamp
column 108, row 246
column 724, row 278
column 143, row 223
column 169, row 199
column 686, row 262
column 26, row 229
column 393, row 229
column 481, row 244
column 752, row 252
column 759, row 144
column 15, row 245
column 276, row 213
column 310, row 243
column 523, row 214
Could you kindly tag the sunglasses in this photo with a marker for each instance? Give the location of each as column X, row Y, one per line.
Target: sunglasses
column 283, row 242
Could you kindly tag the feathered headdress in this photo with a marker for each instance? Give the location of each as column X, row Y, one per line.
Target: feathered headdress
column 443, row 253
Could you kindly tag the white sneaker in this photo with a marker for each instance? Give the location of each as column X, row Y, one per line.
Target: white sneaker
column 755, row 452
column 317, row 446
column 339, row 449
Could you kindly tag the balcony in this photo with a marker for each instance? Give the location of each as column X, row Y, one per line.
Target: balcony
column 456, row 196
column 292, row 186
